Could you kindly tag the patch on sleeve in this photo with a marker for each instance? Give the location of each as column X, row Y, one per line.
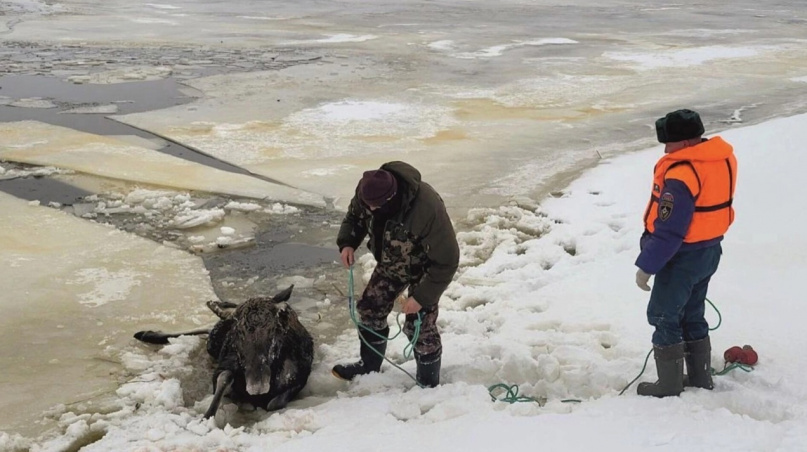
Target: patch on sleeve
column 656, row 188
column 665, row 206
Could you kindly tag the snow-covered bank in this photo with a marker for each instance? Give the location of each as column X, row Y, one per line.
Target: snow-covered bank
column 545, row 300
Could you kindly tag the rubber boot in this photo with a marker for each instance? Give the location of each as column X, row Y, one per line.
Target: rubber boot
column 699, row 364
column 670, row 369
column 428, row 373
column 370, row 360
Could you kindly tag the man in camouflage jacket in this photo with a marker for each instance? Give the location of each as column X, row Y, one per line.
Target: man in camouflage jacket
column 414, row 245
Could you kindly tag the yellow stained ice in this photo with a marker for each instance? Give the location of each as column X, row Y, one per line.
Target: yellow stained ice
column 73, row 293
column 37, row 143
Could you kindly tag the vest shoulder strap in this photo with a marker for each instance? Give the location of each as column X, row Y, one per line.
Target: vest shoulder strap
column 726, row 204
column 678, row 170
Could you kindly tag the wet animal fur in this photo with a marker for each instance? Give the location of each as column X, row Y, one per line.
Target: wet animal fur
column 263, row 353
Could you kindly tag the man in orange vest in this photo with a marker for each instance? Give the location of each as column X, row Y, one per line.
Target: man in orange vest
column 690, row 209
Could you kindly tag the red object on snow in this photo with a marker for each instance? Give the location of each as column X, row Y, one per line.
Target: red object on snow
column 745, row 355
column 751, row 356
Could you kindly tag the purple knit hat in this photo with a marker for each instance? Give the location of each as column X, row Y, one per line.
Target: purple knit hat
column 377, row 187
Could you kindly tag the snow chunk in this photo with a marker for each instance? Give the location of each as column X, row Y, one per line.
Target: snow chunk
column 93, row 109
column 300, row 282
column 351, row 118
column 40, row 171
column 682, row 58
column 242, row 206
column 14, row 442
column 33, row 102
column 445, row 44
column 124, row 75
column 342, row 37
column 222, row 241
column 139, row 196
column 107, row 286
column 162, row 6
column 282, row 209
column 499, row 50
column 192, row 218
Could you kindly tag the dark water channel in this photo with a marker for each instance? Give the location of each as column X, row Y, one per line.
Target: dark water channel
column 128, row 97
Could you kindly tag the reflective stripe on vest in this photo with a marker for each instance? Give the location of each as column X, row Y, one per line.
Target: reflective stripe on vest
column 713, row 203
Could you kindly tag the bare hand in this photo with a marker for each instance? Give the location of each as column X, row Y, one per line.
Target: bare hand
column 347, row 256
column 411, row 306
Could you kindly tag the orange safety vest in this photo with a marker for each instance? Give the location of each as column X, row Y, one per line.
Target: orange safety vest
column 709, row 170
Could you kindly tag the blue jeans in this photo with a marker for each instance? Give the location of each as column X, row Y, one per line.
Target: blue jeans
column 676, row 306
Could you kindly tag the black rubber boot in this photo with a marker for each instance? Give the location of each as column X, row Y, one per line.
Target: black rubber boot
column 670, row 369
column 428, row 373
column 370, row 360
column 698, row 358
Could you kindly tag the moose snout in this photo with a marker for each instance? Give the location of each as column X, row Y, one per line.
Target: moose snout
column 259, row 384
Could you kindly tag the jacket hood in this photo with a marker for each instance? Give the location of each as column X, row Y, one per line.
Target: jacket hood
column 710, row 150
column 409, row 176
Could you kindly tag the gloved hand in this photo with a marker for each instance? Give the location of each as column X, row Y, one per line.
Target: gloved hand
column 641, row 280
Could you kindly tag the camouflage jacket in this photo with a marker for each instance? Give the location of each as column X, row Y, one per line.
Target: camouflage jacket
column 418, row 246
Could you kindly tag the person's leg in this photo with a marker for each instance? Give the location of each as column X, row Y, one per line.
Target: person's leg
column 670, row 370
column 373, row 308
column 428, row 342
column 377, row 300
column 671, row 288
column 697, row 345
column 428, row 347
column 705, row 262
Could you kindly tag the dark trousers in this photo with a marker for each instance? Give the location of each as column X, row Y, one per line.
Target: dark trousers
column 376, row 303
column 676, row 306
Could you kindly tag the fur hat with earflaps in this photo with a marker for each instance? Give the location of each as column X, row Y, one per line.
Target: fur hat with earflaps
column 679, row 125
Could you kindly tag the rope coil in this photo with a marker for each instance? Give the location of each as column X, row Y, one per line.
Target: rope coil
column 510, row 395
column 410, row 346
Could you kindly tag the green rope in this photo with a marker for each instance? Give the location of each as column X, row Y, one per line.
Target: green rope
column 732, row 366
column 644, row 366
column 510, row 395
column 719, row 315
column 410, row 347
column 726, row 369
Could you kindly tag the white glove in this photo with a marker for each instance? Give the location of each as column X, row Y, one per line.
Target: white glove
column 641, row 280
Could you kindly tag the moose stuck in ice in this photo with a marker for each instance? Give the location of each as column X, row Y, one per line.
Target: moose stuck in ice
column 263, row 353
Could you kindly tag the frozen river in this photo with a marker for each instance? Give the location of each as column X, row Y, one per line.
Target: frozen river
column 488, row 99
column 492, row 101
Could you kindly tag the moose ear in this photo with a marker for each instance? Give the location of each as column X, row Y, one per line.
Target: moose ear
column 283, row 296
